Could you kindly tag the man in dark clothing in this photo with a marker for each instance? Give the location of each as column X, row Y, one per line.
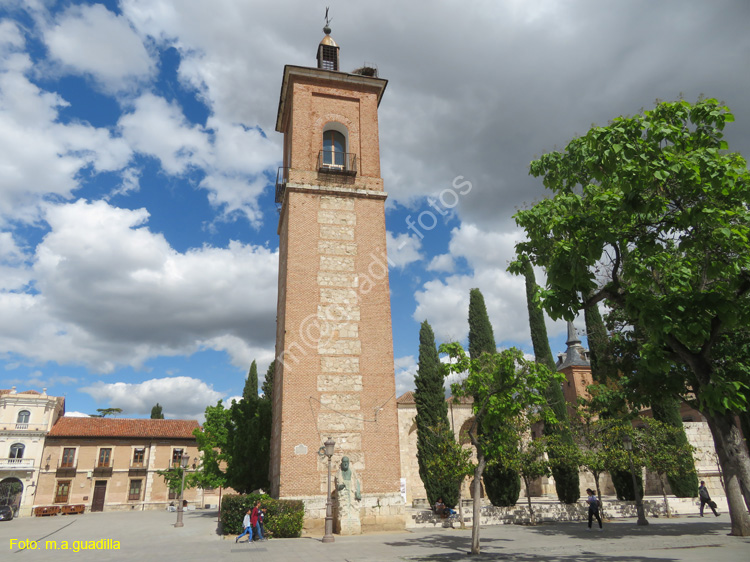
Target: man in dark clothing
column 706, row 498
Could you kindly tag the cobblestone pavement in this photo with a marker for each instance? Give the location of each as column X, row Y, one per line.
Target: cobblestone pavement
column 151, row 535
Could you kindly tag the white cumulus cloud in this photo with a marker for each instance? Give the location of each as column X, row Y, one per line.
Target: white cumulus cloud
column 180, row 397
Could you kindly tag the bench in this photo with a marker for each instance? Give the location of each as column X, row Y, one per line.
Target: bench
column 46, row 510
column 73, row 509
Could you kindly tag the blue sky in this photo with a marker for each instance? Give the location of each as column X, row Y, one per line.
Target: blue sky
column 138, row 246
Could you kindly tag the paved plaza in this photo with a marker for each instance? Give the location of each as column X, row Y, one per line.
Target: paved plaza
column 151, row 535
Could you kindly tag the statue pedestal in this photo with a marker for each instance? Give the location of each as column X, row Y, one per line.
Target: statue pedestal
column 349, row 525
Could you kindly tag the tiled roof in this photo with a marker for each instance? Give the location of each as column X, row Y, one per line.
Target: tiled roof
column 406, row 398
column 117, row 427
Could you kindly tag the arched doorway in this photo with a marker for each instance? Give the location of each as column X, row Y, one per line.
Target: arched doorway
column 11, row 491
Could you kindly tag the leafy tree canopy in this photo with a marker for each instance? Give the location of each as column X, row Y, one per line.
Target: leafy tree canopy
column 650, row 214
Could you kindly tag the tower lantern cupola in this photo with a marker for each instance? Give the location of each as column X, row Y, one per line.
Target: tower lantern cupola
column 328, row 51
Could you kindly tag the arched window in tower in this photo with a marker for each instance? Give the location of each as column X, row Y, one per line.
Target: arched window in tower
column 23, row 416
column 334, row 150
column 16, row 451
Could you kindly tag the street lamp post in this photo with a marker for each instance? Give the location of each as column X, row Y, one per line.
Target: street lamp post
column 184, row 461
column 327, row 450
column 627, row 442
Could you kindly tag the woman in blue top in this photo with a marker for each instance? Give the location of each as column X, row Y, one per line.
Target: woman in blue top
column 593, row 508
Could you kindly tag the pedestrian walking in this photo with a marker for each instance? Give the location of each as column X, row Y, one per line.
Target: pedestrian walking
column 262, row 522
column 594, row 504
column 254, row 520
column 247, row 527
column 706, row 498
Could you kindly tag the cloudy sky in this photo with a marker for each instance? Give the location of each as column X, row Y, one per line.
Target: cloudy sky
column 138, row 246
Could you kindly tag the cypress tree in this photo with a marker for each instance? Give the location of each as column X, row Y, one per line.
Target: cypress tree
column 481, row 338
column 684, row 484
column 268, row 381
column 566, row 476
column 505, row 484
column 249, row 437
column 251, row 383
column 157, row 413
column 432, row 415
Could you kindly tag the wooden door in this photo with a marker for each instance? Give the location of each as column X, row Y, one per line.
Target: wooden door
column 100, row 490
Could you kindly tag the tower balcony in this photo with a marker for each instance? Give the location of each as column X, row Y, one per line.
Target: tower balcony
column 282, row 177
column 334, row 162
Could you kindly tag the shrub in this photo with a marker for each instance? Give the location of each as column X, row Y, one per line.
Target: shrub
column 284, row 518
column 623, row 481
column 503, row 485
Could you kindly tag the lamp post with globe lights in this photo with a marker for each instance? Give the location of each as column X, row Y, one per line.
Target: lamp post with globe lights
column 327, row 451
column 184, row 461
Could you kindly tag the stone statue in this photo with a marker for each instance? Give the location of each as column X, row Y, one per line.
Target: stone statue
column 349, row 494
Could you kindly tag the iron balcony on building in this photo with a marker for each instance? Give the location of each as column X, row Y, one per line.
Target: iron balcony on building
column 102, row 471
column 282, row 177
column 137, row 469
column 66, row 471
column 334, row 162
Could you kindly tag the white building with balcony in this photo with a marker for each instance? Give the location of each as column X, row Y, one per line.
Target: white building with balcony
column 25, row 420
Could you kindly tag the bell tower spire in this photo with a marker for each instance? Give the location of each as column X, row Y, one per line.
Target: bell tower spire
column 328, row 50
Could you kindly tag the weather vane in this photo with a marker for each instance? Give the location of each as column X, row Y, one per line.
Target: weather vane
column 328, row 22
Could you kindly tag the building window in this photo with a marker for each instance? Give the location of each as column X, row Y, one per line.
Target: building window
column 62, row 491
column 134, row 493
column 16, row 450
column 176, row 457
column 138, row 455
column 104, row 457
column 68, row 457
column 334, row 149
column 173, row 495
column 23, row 416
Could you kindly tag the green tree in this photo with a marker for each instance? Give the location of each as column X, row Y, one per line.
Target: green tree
column 104, row 412
column 683, row 481
column 213, row 444
column 267, row 387
column 650, row 215
column 503, row 385
column 506, row 487
column 157, row 413
column 481, row 337
column 451, row 462
column 664, row 451
column 528, row 456
column 432, row 420
column 248, row 438
column 565, row 473
column 251, row 383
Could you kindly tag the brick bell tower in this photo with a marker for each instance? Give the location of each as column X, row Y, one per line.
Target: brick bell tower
column 334, row 346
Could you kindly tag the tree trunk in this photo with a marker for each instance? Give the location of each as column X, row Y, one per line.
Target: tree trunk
column 599, row 494
column 735, row 466
column 527, row 482
column 664, row 493
column 461, row 524
column 477, row 506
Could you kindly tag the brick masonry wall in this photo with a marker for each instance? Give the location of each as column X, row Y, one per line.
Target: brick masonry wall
column 334, row 325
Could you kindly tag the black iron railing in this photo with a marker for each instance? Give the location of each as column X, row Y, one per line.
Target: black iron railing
column 282, row 176
column 334, row 162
